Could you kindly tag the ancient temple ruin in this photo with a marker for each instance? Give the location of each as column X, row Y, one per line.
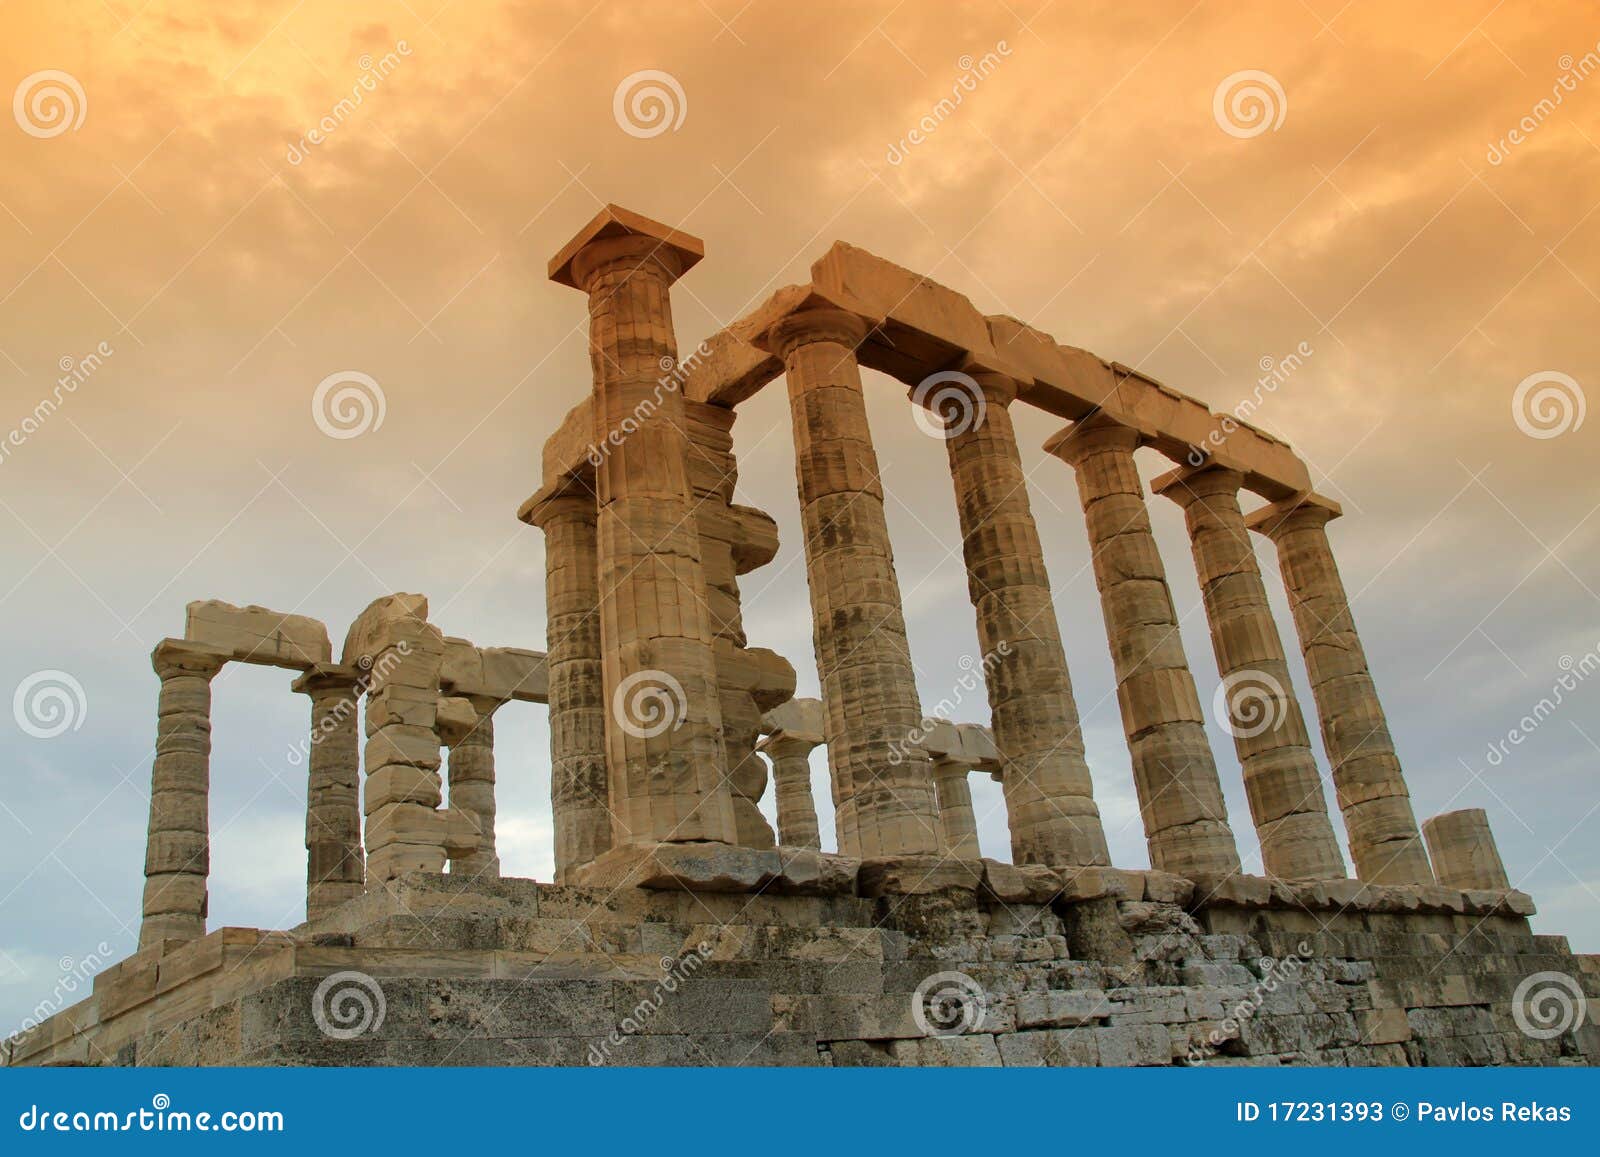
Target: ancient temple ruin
column 680, row 927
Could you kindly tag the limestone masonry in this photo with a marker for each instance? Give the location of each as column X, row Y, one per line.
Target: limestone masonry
column 680, row 928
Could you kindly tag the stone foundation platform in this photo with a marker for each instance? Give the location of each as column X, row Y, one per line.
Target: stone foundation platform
column 839, row 962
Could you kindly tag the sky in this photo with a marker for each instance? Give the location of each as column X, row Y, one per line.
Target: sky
column 1405, row 196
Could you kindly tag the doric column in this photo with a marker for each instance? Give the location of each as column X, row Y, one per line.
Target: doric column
column 1464, row 852
column 177, row 858
column 956, row 820
column 791, row 776
column 1256, row 701
column 1384, row 841
column 668, row 767
column 469, row 771
column 1034, row 718
column 335, row 869
column 882, row 784
column 1175, row 776
column 578, row 783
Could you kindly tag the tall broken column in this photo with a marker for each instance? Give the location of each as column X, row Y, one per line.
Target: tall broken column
column 1384, row 841
column 1174, row 773
column 335, row 869
column 882, row 785
column 1262, row 714
column 579, row 791
column 1049, row 794
column 667, row 764
column 177, row 859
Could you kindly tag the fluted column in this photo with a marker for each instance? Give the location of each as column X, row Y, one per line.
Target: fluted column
column 1256, row 702
column 335, row 867
column 1384, row 841
column 1034, row 718
column 579, row 800
column 882, row 784
column 791, row 776
column 1175, row 776
column 1463, row 850
column 667, row 764
column 956, row 819
column 177, row 859
column 470, row 774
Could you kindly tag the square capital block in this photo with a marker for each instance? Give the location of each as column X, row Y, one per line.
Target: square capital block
column 614, row 221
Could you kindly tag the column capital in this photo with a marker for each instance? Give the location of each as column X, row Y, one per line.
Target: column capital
column 786, row 745
column 566, row 500
column 324, row 678
column 997, row 388
column 617, row 236
column 1189, row 483
column 1091, row 435
column 1297, row 512
column 173, row 657
column 800, row 315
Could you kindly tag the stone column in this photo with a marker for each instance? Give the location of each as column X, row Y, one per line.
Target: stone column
column 469, row 771
column 1464, row 852
column 578, row 784
column 668, row 767
column 960, row 826
column 177, row 857
column 1175, row 776
column 882, row 784
column 791, row 776
column 1256, row 701
column 1049, row 795
column 335, row 868
column 1384, row 841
